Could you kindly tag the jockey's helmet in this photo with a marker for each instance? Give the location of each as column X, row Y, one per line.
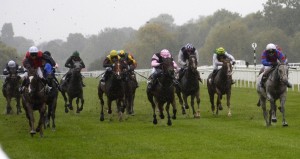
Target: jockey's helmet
column 33, row 51
column 271, row 48
column 165, row 53
column 47, row 53
column 11, row 64
column 189, row 46
column 75, row 54
column 113, row 53
column 121, row 52
column 220, row 51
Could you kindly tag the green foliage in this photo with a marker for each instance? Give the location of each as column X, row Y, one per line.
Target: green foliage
column 6, row 54
column 244, row 135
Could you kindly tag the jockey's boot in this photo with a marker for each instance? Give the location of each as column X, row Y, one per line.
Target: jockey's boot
column 47, row 87
column 263, row 80
column 213, row 76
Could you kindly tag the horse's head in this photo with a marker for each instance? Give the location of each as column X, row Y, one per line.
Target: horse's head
column 192, row 63
column 227, row 67
column 168, row 67
column 76, row 69
column 282, row 72
column 13, row 73
column 118, row 69
column 34, row 81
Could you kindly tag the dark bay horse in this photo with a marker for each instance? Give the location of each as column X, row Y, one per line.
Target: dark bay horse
column 163, row 92
column 130, row 86
column 73, row 89
column 221, row 85
column 34, row 98
column 51, row 101
column 275, row 88
column 114, row 90
column 190, row 87
column 11, row 90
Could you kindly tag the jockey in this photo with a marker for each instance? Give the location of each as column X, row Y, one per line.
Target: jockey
column 155, row 63
column 49, row 69
column 269, row 59
column 132, row 64
column 220, row 53
column 108, row 63
column 183, row 57
column 33, row 59
column 70, row 64
column 7, row 70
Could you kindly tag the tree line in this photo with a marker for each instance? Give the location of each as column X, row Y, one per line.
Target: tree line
column 278, row 23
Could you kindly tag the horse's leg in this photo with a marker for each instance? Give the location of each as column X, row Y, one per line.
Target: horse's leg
column 82, row 102
column 70, row 105
column 42, row 111
column 274, row 108
column 18, row 105
column 198, row 103
column 282, row 110
column 168, row 112
column 228, row 95
column 100, row 95
column 77, row 105
column 150, row 98
column 211, row 99
column 120, row 109
column 29, row 114
column 8, row 106
column 109, row 111
column 180, row 100
column 264, row 109
column 272, row 118
column 63, row 93
column 53, row 113
column 193, row 106
column 160, row 106
column 174, row 108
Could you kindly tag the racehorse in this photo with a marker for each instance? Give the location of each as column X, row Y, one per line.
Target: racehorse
column 34, row 98
column 275, row 88
column 130, row 86
column 73, row 89
column 163, row 91
column 221, row 85
column 51, row 101
column 190, row 87
column 114, row 90
column 11, row 90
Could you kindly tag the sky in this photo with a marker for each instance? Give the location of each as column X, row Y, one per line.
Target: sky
column 45, row 20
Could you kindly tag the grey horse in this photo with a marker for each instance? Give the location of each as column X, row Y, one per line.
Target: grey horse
column 275, row 88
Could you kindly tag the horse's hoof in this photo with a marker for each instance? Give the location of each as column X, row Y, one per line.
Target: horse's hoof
column 32, row 132
column 174, row 117
column 220, row 107
column 109, row 111
column 229, row 114
column 154, row 121
column 169, row 123
column 274, row 120
column 285, row 124
column 161, row 116
column 37, row 129
column 66, row 110
column 101, row 118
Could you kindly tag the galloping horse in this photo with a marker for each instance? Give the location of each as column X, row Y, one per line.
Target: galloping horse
column 34, row 98
column 114, row 90
column 190, row 87
column 275, row 88
column 163, row 91
column 220, row 86
column 73, row 89
column 51, row 101
column 130, row 86
column 11, row 90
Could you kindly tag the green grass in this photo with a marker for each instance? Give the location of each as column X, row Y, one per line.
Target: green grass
column 244, row 135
